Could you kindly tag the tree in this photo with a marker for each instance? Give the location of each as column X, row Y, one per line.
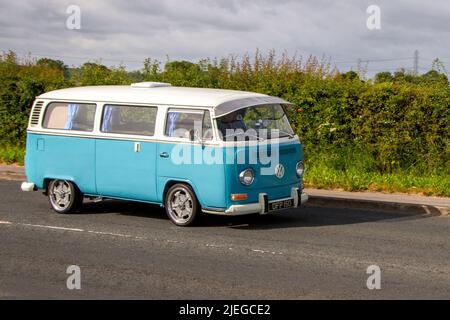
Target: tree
column 385, row 76
column 56, row 64
column 151, row 70
column 180, row 66
column 434, row 76
column 350, row 75
column 183, row 73
column 403, row 76
column 92, row 73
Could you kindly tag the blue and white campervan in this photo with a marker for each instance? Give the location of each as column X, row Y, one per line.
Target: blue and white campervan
column 189, row 150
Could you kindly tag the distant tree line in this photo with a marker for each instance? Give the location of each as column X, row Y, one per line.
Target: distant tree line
column 395, row 120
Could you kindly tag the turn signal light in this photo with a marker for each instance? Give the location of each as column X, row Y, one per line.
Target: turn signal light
column 239, row 197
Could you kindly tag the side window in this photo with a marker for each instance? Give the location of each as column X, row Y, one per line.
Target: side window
column 129, row 119
column 69, row 116
column 180, row 121
column 207, row 127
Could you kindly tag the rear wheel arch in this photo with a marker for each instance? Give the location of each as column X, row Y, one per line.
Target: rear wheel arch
column 65, row 191
column 45, row 185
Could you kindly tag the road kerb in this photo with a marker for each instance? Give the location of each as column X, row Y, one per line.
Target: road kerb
column 391, row 206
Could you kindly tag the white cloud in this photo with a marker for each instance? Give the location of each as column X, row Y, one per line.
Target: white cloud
column 187, row 29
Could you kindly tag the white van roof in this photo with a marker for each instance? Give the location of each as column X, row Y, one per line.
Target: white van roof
column 223, row 101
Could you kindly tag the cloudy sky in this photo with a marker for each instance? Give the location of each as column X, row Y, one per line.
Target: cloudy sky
column 124, row 31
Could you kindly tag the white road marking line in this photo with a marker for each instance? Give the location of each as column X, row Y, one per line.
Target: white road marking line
column 117, row 235
column 121, row 235
column 175, row 241
column 265, row 251
column 212, row 245
column 111, row 234
column 50, row 227
column 41, row 226
column 78, row 230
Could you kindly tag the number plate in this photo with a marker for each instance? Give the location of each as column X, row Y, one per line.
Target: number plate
column 278, row 205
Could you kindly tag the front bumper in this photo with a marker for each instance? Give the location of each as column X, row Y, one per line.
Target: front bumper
column 262, row 206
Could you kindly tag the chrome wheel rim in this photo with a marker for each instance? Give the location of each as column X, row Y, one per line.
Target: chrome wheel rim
column 180, row 205
column 60, row 194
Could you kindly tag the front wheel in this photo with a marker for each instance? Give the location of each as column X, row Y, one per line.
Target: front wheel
column 64, row 196
column 181, row 205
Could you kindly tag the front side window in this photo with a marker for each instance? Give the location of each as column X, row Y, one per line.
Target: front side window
column 258, row 122
column 180, row 122
column 69, row 116
column 134, row 120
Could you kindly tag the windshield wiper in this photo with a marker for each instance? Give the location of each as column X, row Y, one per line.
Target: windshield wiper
column 290, row 135
column 242, row 133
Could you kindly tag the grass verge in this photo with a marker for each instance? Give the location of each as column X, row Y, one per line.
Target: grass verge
column 358, row 172
column 12, row 154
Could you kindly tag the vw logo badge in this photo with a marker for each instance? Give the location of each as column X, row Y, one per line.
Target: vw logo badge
column 279, row 171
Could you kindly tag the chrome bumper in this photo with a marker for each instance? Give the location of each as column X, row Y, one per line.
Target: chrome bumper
column 28, row 186
column 262, row 206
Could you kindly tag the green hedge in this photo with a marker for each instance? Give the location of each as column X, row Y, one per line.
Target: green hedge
column 396, row 124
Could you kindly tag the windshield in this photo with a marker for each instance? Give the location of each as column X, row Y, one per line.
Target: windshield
column 258, row 122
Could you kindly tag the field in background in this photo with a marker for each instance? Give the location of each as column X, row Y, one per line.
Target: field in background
column 390, row 133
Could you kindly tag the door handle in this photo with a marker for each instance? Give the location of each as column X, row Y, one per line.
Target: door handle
column 164, row 155
column 137, row 147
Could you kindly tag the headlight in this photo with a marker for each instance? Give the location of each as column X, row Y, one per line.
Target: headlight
column 300, row 168
column 246, row 177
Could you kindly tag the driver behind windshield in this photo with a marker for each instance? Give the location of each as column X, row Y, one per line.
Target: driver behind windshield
column 260, row 122
column 232, row 121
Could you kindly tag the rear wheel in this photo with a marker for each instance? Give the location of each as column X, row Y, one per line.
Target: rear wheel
column 181, row 205
column 64, row 196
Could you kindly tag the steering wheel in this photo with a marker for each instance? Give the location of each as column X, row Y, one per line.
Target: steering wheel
column 208, row 134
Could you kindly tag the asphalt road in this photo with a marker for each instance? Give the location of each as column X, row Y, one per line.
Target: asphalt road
column 130, row 250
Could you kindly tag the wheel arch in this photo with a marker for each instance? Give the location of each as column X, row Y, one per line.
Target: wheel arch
column 47, row 181
column 172, row 182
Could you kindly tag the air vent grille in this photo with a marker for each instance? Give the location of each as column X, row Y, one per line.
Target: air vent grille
column 36, row 113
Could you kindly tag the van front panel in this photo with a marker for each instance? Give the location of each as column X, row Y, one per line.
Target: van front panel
column 289, row 153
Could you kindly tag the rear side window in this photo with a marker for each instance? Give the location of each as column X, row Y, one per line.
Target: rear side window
column 69, row 116
column 135, row 120
column 180, row 121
